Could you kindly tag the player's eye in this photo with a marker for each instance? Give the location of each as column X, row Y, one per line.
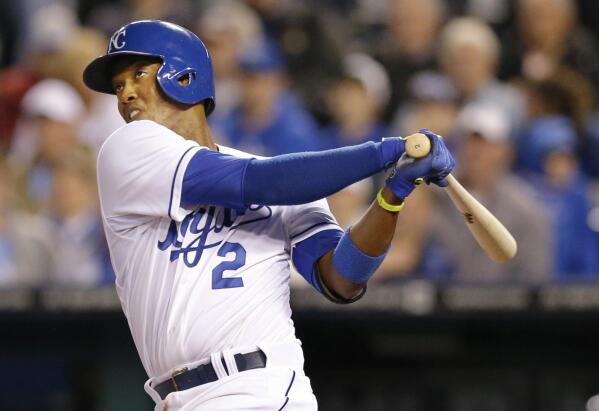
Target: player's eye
column 140, row 74
column 118, row 88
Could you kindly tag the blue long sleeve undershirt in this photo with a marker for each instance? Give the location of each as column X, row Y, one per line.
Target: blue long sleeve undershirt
column 215, row 178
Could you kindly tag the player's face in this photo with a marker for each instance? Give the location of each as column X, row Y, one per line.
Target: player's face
column 139, row 96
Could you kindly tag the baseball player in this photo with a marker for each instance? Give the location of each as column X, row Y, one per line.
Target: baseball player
column 201, row 235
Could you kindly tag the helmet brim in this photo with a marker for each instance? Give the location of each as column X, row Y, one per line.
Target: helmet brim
column 98, row 74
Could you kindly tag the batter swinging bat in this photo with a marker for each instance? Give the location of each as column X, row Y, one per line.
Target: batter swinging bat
column 488, row 232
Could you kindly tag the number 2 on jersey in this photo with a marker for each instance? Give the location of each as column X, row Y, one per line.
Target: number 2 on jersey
column 218, row 281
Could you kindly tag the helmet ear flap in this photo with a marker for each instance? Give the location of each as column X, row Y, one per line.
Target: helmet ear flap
column 181, row 86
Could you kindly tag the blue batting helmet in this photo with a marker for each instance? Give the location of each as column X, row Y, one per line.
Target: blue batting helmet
column 182, row 53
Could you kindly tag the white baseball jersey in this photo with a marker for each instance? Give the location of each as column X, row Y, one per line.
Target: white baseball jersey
column 193, row 281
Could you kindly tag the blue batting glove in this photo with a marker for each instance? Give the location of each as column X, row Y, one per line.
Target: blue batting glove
column 390, row 150
column 443, row 163
column 433, row 168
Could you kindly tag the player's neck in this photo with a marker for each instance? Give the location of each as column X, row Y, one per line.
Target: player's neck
column 195, row 127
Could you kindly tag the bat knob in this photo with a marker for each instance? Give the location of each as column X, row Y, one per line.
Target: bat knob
column 417, row 145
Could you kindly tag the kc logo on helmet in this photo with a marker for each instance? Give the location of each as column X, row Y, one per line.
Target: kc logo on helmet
column 118, row 40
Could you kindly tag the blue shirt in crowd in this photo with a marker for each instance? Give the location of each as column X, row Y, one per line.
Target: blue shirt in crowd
column 576, row 246
column 292, row 129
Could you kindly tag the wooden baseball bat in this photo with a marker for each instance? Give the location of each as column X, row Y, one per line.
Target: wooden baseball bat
column 489, row 233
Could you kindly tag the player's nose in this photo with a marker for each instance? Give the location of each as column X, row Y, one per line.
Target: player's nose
column 128, row 93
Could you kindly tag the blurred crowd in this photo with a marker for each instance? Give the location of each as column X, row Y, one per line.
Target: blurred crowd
column 510, row 84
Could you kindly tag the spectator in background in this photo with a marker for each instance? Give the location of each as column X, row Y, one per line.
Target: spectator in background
column 565, row 193
column 548, row 36
column 100, row 117
column 569, row 95
column 25, row 240
column 43, row 33
column 549, row 107
column 80, row 251
column 49, row 28
column 52, row 112
column 355, row 102
column 269, row 119
column 485, row 158
column 469, row 53
column 413, row 27
column 310, row 45
column 548, row 158
column 564, row 100
column 227, row 28
column 14, row 84
column 433, row 102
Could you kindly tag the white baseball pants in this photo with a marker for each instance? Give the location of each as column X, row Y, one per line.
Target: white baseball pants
column 280, row 386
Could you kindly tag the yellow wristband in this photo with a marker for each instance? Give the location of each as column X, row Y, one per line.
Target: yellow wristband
column 385, row 205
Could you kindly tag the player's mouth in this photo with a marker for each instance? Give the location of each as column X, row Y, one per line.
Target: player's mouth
column 133, row 113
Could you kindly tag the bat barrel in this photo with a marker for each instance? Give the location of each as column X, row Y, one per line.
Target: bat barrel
column 489, row 233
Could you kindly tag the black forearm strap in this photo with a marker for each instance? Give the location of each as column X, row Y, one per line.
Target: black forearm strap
column 332, row 295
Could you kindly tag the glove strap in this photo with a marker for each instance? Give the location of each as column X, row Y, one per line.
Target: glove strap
column 386, row 206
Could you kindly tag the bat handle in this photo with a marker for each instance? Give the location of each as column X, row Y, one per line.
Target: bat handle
column 417, row 145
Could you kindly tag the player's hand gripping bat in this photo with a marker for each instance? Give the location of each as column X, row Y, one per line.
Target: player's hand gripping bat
column 489, row 233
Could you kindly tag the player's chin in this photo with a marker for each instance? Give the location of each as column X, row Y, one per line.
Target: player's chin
column 132, row 119
column 126, row 117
